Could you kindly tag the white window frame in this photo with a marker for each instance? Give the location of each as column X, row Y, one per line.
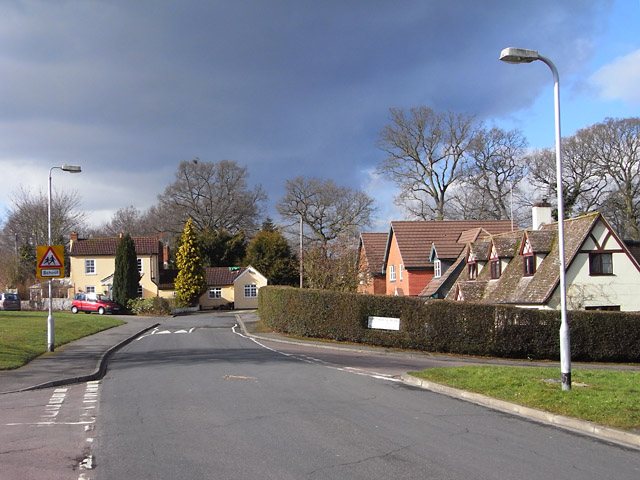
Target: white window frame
column 401, row 270
column 90, row 266
column 392, row 273
column 437, row 268
column 140, row 263
column 215, row 293
column 250, row 290
column 140, row 291
column 90, row 289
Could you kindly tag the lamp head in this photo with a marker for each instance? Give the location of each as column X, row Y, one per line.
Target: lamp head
column 519, row 55
column 71, row 168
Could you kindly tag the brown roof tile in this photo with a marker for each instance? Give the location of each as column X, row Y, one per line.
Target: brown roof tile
column 108, row 246
column 220, row 276
column 416, row 238
column 374, row 245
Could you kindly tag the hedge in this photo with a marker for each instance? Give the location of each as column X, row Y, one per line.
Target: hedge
column 450, row 327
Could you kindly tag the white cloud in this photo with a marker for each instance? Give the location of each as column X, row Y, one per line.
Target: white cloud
column 619, row 79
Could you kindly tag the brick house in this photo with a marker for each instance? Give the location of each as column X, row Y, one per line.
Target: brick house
column 408, row 263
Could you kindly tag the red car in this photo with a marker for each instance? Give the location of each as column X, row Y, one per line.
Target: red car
column 91, row 302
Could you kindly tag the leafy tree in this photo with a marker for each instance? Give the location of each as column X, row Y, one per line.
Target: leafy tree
column 191, row 281
column 222, row 249
column 271, row 254
column 126, row 276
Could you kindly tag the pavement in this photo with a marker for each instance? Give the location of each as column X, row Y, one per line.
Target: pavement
column 86, row 359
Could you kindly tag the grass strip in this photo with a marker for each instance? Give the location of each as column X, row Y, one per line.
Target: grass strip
column 605, row 397
column 23, row 335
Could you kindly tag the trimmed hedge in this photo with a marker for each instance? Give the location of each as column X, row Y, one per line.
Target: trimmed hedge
column 450, row 327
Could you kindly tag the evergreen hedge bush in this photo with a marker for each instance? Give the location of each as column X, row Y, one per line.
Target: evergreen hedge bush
column 451, row 327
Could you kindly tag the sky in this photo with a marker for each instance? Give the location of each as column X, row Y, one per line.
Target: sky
column 129, row 89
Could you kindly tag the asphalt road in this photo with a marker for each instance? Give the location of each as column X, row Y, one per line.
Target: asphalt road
column 194, row 399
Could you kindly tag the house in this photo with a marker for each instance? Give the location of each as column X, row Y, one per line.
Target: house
column 232, row 287
column 92, row 264
column 370, row 257
column 409, row 261
column 521, row 268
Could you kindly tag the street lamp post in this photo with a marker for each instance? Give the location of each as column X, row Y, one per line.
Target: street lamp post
column 50, row 322
column 521, row 55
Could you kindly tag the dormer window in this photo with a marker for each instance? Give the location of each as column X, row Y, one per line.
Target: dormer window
column 437, row 268
column 473, row 270
column 529, row 259
column 529, row 264
column 494, row 263
column 495, row 269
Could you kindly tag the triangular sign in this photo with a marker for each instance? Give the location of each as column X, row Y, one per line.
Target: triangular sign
column 50, row 260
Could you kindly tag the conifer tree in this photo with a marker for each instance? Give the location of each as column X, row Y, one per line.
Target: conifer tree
column 191, row 281
column 126, row 276
column 271, row 254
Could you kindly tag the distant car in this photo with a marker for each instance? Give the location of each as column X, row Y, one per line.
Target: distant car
column 9, row 301
column 91, row 302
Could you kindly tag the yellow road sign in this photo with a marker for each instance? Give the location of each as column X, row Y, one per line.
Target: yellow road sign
column 50, row 261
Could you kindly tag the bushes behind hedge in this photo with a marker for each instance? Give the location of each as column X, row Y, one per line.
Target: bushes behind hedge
column 450, row 327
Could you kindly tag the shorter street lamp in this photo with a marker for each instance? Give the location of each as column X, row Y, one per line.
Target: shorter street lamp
column 522, row 55
column 50, row 322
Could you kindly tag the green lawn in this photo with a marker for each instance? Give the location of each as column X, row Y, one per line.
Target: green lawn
column 606, row 397
column 23, row 335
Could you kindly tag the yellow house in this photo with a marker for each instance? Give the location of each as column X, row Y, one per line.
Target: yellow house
column 93, row 260
column 232, row 287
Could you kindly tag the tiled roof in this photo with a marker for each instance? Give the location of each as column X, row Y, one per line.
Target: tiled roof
column 220, row 276
column 108, row 246
column 513, row 286
column 416, row 238
column 215, row 276
column 373, row 245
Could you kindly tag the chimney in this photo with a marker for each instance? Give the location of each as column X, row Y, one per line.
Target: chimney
column 73, row 237
column 541, row 214
column 165, row 256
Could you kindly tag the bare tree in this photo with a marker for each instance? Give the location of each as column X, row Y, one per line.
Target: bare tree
column 214, row 195
column 27, row 221
column 132, row 221
column 330, row 211
column 492, row 177
column 427, row 153
column 616, row 150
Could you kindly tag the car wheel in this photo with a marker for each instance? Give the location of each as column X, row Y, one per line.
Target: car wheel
column 101, row 311
column 74, row 309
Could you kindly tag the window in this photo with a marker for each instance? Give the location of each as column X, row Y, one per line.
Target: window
column 600, row 264
column 401, row 270
column 437, row 268
column 90, row 267
column 473, row 271
column 392, row 273
column 215, row 292
column 495, row 269
column 90, row 289
column 606, row 308
column 529, row 265
column 139, row 291
column 139, row 265
column 250, row 291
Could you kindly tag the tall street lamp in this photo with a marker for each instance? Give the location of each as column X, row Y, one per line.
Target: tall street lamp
column 50, row 323
column 521, row 55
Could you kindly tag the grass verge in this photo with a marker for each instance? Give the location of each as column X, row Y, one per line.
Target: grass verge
column 23, row 335
column 605, row 397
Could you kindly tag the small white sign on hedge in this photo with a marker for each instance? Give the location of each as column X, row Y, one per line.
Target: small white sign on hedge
column 384, row 323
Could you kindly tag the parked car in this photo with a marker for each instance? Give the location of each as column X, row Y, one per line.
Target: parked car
column 91, row 302
column 9, row 301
